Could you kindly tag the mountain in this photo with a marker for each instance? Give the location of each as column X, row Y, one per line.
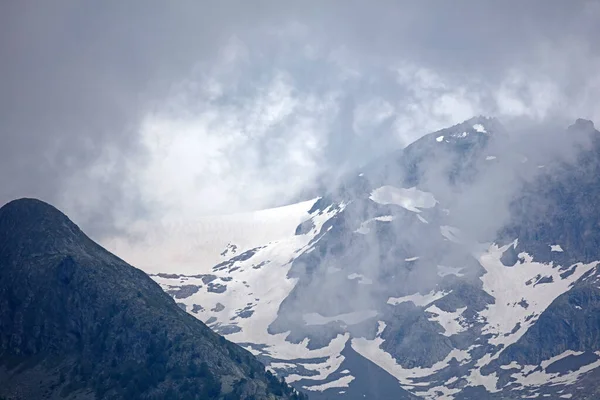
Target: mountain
column 77, row 322
column 464, row 266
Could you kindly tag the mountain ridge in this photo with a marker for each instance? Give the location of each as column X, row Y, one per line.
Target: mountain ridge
column 421, row 265
column 78, row 322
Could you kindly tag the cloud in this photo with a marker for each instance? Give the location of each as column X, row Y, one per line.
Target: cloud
column 369, row 115
column 225, row 143
column 118, row 113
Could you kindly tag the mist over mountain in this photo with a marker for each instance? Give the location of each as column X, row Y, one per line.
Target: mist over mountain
column 368, row 200
column 463, row 266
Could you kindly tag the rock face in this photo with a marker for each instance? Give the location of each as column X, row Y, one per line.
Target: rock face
column 77, row 322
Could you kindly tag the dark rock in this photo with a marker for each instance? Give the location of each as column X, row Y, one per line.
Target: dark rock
column 169, row 276
column 523, row 304
column 226, row 329
column 509, row 257
column 571, row 363
column 246, row 313
column 561, row 327
column 208, row 278
column 216, row 288
column 544, row 279
column 196, row 308
column 230, row 248
column 184, row 291
column 260, row 265
column 241, row 257
column 305, row 227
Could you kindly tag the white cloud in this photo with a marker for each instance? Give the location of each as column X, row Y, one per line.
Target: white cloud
column 370, row 114
column 256, row 127
column 525, row 95
column 432, row 102
column 243, row 146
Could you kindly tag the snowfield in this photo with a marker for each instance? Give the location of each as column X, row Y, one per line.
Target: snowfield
column 412, row 199
column 522, row 292
column 250, row 290
column 418, row 299
column 194, row 247
column 233, row 273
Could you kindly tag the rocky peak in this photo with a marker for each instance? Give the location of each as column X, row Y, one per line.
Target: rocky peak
column 87, row 325
column 36, row 227
column 582, row 125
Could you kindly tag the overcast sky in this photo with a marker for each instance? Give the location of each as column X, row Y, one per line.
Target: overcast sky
column 120, row 112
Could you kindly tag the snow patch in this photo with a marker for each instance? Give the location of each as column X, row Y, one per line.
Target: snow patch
column 451, row 380
column 352, row 318
column 258, row 284
column 342, row 382
column 556, row 247
column 533, row 377
column 365, row 226
column 452, row 322
column 489, row 382
column 361, row 279
column 512, row 365
column 411, row 199
column 281, row 366
column 479, row 128
column 451, row 233
column 418, row 299
column 380, row 327
column 333, row 361
column 439, row 138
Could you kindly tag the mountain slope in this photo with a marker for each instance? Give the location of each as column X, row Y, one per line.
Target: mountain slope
column 464, row 267
column 77, row 322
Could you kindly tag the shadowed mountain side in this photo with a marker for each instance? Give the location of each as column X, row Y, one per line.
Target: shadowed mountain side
column 77, row 322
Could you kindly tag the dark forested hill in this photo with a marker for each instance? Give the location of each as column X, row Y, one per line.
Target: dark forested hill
column 77, row 322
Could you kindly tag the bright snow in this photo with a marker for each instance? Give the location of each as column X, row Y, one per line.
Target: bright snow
column 192, row 247
column 412, row 198
column 418, row 299
column 479, row 128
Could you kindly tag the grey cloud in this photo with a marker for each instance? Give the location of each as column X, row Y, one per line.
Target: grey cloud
column 77, row 79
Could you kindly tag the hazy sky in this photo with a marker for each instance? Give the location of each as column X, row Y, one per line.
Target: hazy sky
column 119, row 112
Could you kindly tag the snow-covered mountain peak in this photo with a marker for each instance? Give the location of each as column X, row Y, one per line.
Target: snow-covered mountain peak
column 473, row 126
column 388, row 273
